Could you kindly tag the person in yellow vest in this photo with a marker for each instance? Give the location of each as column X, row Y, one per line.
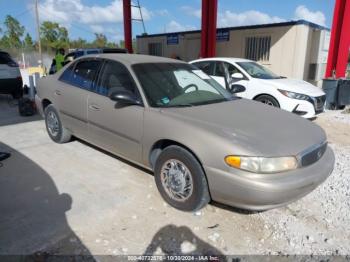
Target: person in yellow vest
column 59, row 58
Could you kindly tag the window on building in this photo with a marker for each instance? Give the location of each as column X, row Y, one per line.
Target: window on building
column 155, row 49
column 257, row 48
column 312, row 71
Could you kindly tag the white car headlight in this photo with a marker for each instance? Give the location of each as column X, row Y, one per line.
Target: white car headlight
column 294, row 95
column 262, row 164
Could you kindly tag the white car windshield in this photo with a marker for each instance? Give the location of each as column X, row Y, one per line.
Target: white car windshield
column 258, row 71
column 178, row 84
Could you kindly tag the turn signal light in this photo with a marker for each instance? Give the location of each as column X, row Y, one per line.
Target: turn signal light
column 234, row 161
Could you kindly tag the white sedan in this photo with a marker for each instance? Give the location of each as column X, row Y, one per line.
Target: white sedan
column 262, row 85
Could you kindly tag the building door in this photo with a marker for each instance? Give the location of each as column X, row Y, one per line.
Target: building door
column 155, row 49
column 192, row 49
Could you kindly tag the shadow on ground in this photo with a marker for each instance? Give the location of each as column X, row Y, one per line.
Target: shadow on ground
column 32, row 216
column 171, row 240
column 9, row 114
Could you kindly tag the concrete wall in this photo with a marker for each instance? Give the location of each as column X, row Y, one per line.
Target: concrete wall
column 293, row 47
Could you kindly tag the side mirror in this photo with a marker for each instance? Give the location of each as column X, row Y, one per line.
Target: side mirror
column 237, row 89
column 125, row 98
column 237, row 76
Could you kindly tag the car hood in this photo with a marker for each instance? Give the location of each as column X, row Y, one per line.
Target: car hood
column 295, row 85
column 251, row 127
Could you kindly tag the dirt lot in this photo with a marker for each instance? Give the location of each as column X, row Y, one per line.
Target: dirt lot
column 75, row 199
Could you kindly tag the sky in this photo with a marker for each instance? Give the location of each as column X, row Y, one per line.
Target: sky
column 83, row 18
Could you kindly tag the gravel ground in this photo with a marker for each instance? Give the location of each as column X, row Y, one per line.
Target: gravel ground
column 342, row 116
column 319, row 223
column 124, row 214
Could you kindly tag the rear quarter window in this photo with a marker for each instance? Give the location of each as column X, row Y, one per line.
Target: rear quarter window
column 67, row 74
column 206, row 66
column 90, row 52
column 84, row 74
column 78, row 54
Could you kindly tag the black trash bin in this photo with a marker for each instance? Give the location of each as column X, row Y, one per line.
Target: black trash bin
column 344, row 92
column 330, row 87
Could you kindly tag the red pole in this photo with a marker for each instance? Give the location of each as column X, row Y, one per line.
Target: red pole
column 213, row 9
column 208, row 35
column 204, row 34
column 127, row 25
column 344, row 43
column 335, row 36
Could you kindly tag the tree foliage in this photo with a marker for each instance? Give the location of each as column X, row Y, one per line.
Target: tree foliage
column 13, row 33
column 28, row 42
column 53, row 35
column 15, row 39
column 100, row 40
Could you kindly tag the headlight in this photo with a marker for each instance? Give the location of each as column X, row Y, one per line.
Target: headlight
column 262, row 164
column 294, row 95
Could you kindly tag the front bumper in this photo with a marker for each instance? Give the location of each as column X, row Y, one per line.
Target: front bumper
column 265, row 191
column 305, row 108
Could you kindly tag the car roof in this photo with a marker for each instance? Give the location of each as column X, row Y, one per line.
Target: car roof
column 224, row 59
column 131, row 59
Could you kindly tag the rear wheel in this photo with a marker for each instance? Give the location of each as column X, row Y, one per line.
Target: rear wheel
column 181, row 180
column 57, row 132
column 268, row 100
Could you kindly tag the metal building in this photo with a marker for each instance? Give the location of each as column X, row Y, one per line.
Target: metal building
column 296, row 49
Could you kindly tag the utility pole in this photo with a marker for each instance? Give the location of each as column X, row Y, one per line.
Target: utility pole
column 38, row 33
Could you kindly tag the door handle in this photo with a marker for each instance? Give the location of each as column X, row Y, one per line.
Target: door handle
column 58, row 93
column 94, row 107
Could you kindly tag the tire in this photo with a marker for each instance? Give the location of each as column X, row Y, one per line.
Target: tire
column 268, row 100
column 198, row 196
column 57, row 132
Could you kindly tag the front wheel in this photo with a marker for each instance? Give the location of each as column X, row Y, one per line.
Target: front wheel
column 57, row 132
column 268, row 100
column 180, row 179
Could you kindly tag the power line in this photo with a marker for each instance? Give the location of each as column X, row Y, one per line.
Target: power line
column 21, row 13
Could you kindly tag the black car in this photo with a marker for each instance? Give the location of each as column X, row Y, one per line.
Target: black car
column 10, row 76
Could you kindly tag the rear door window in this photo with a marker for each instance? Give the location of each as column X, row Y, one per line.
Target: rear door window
column 219, row 69
column 78, row 54
column 206, row 66
column 85, row 73
column 67, row 74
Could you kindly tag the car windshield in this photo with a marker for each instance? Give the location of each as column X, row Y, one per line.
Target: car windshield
column 177, row 85
column 258, row 71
